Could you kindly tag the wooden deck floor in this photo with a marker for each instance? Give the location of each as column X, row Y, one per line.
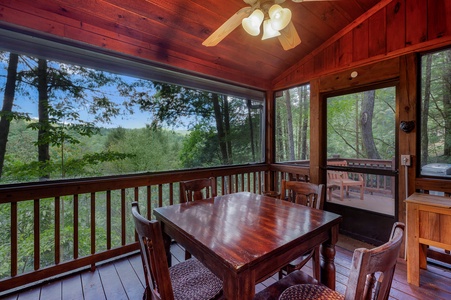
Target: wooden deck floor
column 123, row 279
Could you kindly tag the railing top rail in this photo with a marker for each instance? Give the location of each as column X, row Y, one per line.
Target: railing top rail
column 38, row 190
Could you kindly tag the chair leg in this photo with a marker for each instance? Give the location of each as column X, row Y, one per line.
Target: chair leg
column 280, row 274
column 316, row 264
column 361, row 192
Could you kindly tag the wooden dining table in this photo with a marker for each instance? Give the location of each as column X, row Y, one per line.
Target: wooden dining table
column 244, row 238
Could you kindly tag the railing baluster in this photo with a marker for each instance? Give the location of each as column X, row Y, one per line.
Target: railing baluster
column 123, row 224
column 57, row 230
column 14, row 247
column 160, row 195
column 76, row 236
column 149, row 202
column 93, row 226
column 171, row 194
column 108, row 219
column 37, row 235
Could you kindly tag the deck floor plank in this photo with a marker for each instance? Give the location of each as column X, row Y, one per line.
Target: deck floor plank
column 33, row 293
column 137, row 266
column 51, row 291
column 111, row 282
column 92, row 286
column 72, row 288
column 124, row 279
column 130, row 280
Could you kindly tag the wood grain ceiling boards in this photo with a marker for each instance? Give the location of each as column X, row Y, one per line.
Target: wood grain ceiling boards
column 177, row 28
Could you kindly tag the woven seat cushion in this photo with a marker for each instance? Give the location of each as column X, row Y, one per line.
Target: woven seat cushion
column 192, row 280
column 310, row 292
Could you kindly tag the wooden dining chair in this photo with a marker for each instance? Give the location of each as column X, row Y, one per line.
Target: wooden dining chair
column 197, row 189
column 185, row 280
column 370, row 277
column 311, row 195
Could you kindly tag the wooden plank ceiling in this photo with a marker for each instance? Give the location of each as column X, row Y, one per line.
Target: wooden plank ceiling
column 177, row 28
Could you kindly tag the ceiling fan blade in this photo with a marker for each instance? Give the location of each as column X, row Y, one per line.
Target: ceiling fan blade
column 226, row 28
column 289, row 37
column 250, row 2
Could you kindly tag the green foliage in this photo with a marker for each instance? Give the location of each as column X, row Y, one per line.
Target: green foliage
column 344, row 129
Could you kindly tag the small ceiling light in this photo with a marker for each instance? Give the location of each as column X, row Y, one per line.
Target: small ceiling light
column 268, row 30
column 354, row 74
column 252, row 23
column 280, row 17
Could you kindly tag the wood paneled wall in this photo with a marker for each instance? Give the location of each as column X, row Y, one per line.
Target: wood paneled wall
column 390, row 29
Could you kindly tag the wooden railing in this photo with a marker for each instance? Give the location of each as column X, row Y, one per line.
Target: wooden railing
column 93, row 214
column 90, row 219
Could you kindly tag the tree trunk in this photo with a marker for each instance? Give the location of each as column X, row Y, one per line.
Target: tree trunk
column 228, row 140
column 280, row 152
column 251, row 127
column 8, row 100
column 425, row 112
column 287, row 97
column 366, row 122
column 447, row 103
column 220, row 128
column 305, row 120
column 43, row 111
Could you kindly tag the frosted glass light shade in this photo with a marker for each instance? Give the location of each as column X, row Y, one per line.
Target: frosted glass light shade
column 280, row 17
column 252, row 23
column 268, row 30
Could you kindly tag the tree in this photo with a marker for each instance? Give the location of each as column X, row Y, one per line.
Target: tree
column 62, row 90
column 287, row 97
column 425, row 111
column 8, row 100
column 366, row 123
column 176, row 105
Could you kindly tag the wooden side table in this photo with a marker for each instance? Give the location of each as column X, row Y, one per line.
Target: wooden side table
column 428, row 223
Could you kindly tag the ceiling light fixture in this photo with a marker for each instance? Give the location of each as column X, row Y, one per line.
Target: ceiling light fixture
column 252, row 23
column 268, row 30
column 278, row 18
column 269, row 14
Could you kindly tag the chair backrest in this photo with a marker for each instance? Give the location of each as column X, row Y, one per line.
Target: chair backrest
column 153, row 255
column 334, row 175
column 197, row 189
column 373, row 270
column 305, row 193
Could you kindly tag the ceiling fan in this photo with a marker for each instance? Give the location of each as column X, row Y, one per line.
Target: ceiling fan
column 276, row 22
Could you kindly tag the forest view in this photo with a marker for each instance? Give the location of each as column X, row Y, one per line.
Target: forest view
column 62, row 121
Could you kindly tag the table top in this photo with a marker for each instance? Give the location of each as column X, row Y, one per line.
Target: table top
column 245, row 228
column 428, row 199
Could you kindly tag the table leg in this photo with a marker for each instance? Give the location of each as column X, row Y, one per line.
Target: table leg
column 328, row 263
column 167, row 247
column 242, row 288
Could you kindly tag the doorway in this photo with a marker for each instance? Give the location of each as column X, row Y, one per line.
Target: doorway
column 361, row 168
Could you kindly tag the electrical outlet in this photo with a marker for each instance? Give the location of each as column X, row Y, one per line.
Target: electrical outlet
column 405, row 160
